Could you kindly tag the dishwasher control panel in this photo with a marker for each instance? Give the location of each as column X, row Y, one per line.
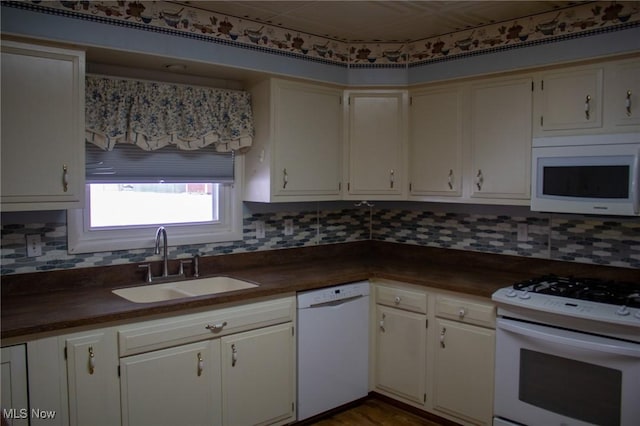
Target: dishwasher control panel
column 333, row 294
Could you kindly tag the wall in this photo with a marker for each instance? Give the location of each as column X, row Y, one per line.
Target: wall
column 492, row 229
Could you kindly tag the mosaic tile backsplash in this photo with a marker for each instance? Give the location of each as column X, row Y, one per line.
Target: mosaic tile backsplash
column 605, row 241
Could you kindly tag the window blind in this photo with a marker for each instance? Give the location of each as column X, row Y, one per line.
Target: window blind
column 127, row 163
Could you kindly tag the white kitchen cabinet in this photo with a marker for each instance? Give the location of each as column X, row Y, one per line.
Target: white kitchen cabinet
column 400, row 343
column 464, row 349
column 258, row 376
column 297, row 149
column 376, row 144
column 92, row 377
column 500, row 138
column 15, row 402
column 178, row 385
column 569, row 100
column 42, row 127
column 436, row 142
column 622, row 95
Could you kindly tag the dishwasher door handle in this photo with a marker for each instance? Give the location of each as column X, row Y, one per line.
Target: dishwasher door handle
column 336, row 302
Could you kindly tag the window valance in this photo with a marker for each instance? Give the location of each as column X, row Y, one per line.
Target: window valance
column 152, row 115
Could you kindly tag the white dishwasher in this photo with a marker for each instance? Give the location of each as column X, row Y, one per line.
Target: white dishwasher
column 333, row 347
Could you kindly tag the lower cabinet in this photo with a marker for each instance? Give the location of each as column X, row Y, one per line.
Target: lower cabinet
column 15, row 403
column 172, row 386
column 435, row 350
column 229, row 366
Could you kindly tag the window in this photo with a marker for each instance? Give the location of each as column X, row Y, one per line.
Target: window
column 129, row 192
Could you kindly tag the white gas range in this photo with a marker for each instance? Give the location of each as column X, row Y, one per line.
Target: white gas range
column 568, row 352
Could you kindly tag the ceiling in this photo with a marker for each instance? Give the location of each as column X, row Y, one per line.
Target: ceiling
column 378, row 21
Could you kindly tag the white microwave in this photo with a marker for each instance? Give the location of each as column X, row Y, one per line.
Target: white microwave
column 592, row 174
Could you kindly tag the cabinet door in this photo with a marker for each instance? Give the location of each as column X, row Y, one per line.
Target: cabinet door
column 42, row 127
column 400, row 353
column 308, row 140
column 92, row 377
column 570, row 99
column 501, row 139
column 376, row 142
column 258, row 376
column 15, row 404
column 175, row 386
column 435, row 142
column 463, row 373
column 622, row 94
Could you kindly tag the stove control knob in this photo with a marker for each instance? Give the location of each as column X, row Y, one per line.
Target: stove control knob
column 623, row 311
column 511, row 293
column 525, row 295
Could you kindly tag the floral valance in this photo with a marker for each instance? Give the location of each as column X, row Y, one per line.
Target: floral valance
column 153, row 115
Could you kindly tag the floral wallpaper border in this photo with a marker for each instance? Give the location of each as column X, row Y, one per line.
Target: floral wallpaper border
column 576, row 21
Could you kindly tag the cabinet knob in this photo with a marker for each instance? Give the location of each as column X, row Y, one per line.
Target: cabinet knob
column 462, row 312
column 627, row 103
column 479, row 180
column 65, row 178
column 92, row 360
column 215, row 328
column 200, row 364
column 397, row 300
column 587, row 107
column 234, row 355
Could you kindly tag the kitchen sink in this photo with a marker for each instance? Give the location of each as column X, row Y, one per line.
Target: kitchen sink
column 182, row 289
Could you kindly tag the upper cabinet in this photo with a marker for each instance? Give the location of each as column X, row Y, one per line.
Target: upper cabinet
column 500, row 137
column 297, row 148
column 595, row 98
column 622, row 95
column 42, row 127
column 570, row 99
column 376, row 142
column 435, row 142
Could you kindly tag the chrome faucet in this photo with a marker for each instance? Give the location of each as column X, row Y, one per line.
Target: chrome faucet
column 165, row 260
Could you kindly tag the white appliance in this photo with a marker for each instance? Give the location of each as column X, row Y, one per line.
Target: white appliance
column 567, row 353
column 333, row 347
column 591, row 174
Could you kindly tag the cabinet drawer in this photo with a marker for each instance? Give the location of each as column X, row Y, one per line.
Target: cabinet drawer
column 409, row 300
column 156, row 334
column 464, row 310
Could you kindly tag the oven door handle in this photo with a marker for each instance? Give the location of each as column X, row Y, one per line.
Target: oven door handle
column 565, row 337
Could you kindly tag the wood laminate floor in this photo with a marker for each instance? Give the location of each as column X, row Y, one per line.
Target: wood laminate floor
column 375, row 412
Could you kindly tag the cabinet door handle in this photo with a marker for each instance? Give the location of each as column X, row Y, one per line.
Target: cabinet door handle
column 92, row 360
column 234, row 355
column 397, row 300
column 391, row 178
column 442, row 333
column 382, row 323
column 200, row 364
column 627, row 103
column 285, row 178
column 479, row 180
column 450, row 179
column 216, row 327
column 461, row 313
column 587, row 107
column 65, row 178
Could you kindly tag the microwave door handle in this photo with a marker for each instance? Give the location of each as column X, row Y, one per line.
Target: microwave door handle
column 635, row 184
column 564, row 338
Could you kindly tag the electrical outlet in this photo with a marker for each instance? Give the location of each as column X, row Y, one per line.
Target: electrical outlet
column 260, row 232
column 288, row 227
column 34, row 245
column 523, row 232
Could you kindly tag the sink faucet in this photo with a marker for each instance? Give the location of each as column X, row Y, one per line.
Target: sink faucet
column 165, row 260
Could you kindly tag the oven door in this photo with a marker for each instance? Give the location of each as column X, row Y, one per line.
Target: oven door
column 548, row 376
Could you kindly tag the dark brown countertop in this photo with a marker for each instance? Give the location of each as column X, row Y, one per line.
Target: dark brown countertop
column 45, row 302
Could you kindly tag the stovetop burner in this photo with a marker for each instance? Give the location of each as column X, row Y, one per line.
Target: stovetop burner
column 594, row 290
